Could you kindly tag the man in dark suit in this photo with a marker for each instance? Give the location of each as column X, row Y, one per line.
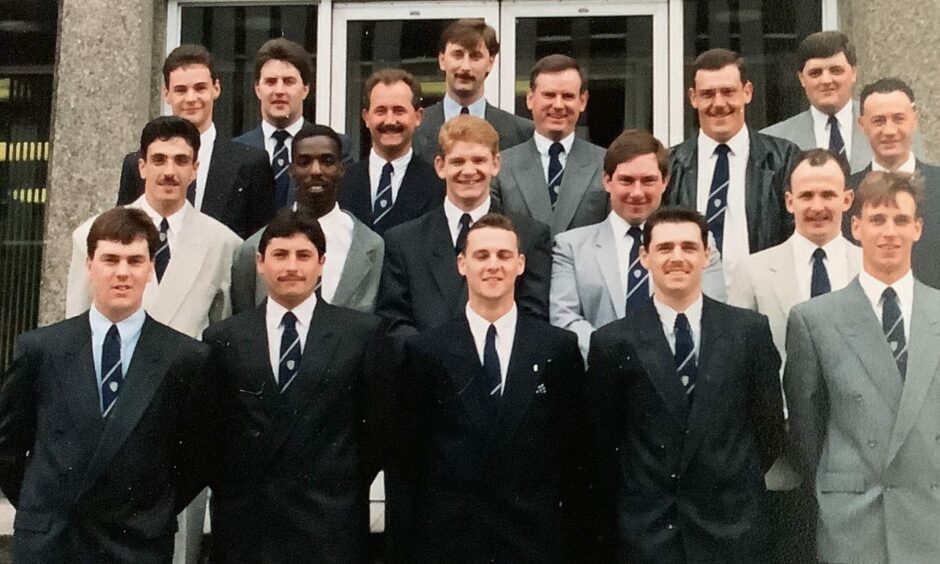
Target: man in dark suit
column 466, row 54
column 234, row 183
column 295, row 433
column 734, row 176
column 102, row 416
column 283, row 75
column 394, row 184
column 495, row 437
column 420, row 287
column 889, row 119
column 689, row 412
column 554, row 177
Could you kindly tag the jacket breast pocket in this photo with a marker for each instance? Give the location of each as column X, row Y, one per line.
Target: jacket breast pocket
column 31, row 521
column 840, row 482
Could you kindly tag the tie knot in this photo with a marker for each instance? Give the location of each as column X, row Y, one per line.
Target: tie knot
column 281, row 135
column 889, row 295
column 491, row 332
column 465, row 221
column 819, row 254
column 387, row 168
column 113, row 334
column 464, row 110
column 164, row 225
column 636, row 233
column 682, row 323
column 289, row 320
column 722, row 150
column 833, row 120
column 556, row 149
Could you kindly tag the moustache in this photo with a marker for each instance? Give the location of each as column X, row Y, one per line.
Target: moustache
column 463, row 76
column 391, row 128
column 818, row 216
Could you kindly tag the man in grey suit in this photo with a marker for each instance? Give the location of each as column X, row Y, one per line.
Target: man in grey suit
column 554, row 177
column 466, row 54
column 596, row 271
column 813, row 261
column 827, row 72
column 353, row 267
column 863, row 389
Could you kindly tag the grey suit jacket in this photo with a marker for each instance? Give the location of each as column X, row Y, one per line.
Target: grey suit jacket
column 867, row 439
column 520, row 186
column 358, row 283
column 586, row 291
column 194, row 291
column 512, row 129
column 799, row 130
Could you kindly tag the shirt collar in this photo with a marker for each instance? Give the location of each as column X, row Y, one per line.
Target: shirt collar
column 293, row 128
column 873, row 288
column 505, row 325
column 304, row 311
column 843, row 116
column 619, row 224
column 667, row 315
column 805, row 248
column 738, row 144
column 398, row 165
column 452, row 107
column 175, row 219
column 207, row 137
column 453, row 213
column 908, row 166
column 128, row 327
column 542, row 143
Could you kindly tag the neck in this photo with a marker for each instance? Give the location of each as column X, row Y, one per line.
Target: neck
column 390, row 154
column 821, row 240
column 165, row 208
column 554, row 135
column 491, row 309
column 281, row 122
column 205, row 126
column 318, row 209
column 678, row 302
column 892, row 163
column 887, row 276
column 290, row 302
column 466, row 204
column 117, row 315
column 467, row 100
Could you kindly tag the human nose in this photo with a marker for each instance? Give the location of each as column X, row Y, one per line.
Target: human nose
column 122, row 269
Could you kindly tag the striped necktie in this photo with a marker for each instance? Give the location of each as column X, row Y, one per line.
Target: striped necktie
column 686, row 365
column 288, row 363
column 555, row 170
column 494, row 378
column 892, row 322
column 162, row 259
column 280, row 162
column 383, row 195
column 718, row 196
column 112, row 373
column 836, row 143
column 638, row 290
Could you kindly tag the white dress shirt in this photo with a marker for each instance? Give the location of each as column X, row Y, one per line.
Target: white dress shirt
column 667, row 316
column 836, row 263
column 206, row 145
column 505, row 336
column 908, row 166
column 452, row 108
column 174, row 224
column 399, row 166
column 736, row 245
column 453, row 215
column 624, row 244
column 128, row 328
column 542, row 144
column 274, row 315
column 821, row 127
column 904, row 288
column 337, row 230
column 270, row 142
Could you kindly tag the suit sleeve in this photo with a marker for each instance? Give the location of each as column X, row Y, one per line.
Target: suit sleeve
column 258, row 176
column 766, row 399
column 532, row 287
column 394, row 301
column 496, row 192
column 807, row 397
column 243, row 278
column 17, row 417
column 222, row 304
column 131, row 184
column 565, row 304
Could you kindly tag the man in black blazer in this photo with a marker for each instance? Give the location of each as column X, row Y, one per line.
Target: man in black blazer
column 102, row 417
column 295, row 437
column 466, row 54
column 689, row 412
column 283, row 75
column 734, row 176
column 234, row 183
column 496, row 438
column 420, row 287
column 394, row 184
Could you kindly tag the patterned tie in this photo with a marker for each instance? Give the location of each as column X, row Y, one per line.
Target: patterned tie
column 289, row 362
column 191, row 193
column 162, row 259
column 893, row 324
column 718, row 197
column 638, row 290
column 112, row 374
column 464, row 110
column 686, row 366
column 461, row 244
column 836, row 144
column 383, row 195
column 820, row 282
column 555, row 170
column 280, row 163
column 494, row 379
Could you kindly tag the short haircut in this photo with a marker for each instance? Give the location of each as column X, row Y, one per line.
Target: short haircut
column 717, row 59
column 880, row 188
column 495, row 221
column 817, row 157
column 389, row 77
column 469, row 129
column 884, row 86
column 631, row 144
column 187, row 55
column 557, row 63
column 316, row 130
column 825, row 44
column 123, row 225
column 287, row 223
column 165, row 128
column 281, row 49
column 468, row 33
column 673, row 214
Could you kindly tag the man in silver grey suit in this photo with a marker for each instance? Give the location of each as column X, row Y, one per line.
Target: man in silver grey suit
column 596, row 273
column 863, row 389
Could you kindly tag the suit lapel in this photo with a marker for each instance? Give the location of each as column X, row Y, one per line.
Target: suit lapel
column 467, row 376
column 186, row 259
column 685, row 176
column 782, row 267
column 221, row 171
column 530, row 177
column 358, row 260
column 660, row 363
column 606, row 248
column 522, row 378
column 574, row 183
column 254, row 342
column 442, row 261
column 803, row 134
column 758, row 181
column 76, row 372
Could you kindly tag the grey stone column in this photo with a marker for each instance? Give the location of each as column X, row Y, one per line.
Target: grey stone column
column 901, row 40
column 103, row 86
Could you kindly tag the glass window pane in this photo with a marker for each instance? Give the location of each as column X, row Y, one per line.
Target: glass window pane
column 233, row 34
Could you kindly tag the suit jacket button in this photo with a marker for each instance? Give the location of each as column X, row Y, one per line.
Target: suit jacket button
column 872, row 443
column 934, row 485
column 670, row 526
column 858, row 398
column 255, row 433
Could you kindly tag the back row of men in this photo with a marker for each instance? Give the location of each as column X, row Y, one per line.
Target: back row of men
column 489, row 430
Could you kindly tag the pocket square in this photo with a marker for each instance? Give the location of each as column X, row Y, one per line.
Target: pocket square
column 541, row 389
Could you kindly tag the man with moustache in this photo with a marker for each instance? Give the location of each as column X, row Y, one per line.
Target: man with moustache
column 815, row 260
column 554, row 177
column 688, row 409
column 394, row 185
column 283, row 74
column 596, row 272
column 350, row 278
column 420, row 287
column 732, row 175
column 496, row 436
column 297, row 432
column 863, row 390
column 466, row 54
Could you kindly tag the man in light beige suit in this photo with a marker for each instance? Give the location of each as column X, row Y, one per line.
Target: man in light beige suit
column 192, row 268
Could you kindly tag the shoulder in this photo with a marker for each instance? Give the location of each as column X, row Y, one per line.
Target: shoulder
column 130, row 159
column 528, row 227
column 420, row 167
column 683, row 152
column 517, row 153
column 81, row 232
column 545, row 333
column 771, row 144
column 787, row 126
column 349, row 320
column 828, row 307
column 410, row 231
column 175, row 343
column 362, row 232
column 355, row 171
column 769, row 257
column 250, row 137
column 53, row 335
column 595, row 151
column 737, row 319
column 246, row 154
column 579, row 235
column 213, row 230
column 224, row 330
